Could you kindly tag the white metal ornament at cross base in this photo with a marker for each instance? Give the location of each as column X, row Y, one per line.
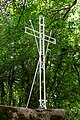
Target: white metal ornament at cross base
column 42, row 55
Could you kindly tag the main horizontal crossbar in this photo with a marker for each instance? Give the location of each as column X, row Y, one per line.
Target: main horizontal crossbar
column 47, row 38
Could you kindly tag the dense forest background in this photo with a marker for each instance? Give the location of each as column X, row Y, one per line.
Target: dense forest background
column 19, row 55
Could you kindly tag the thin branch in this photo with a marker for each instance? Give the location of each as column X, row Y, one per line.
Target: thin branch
column 74, row 3
column 57, row 10
column 20, row 17
column 18, row 21
column 68, row 8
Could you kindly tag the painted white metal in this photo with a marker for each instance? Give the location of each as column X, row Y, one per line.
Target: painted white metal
column 48, row 44
column 33, row 83
column 42, row 62
column 47, row 38
column 42, row 54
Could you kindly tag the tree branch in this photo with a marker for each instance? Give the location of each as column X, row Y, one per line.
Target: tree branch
column 69, row 8
column 20, row 17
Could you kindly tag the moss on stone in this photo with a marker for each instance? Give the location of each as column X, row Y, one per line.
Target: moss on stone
column 5, row 114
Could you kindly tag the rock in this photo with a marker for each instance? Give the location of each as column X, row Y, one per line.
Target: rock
column 51, row 114
column 20, row 113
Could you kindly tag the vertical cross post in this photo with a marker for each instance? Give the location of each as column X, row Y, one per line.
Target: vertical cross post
column 42, row 61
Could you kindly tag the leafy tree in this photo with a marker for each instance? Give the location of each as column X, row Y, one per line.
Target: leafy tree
column 19, row 55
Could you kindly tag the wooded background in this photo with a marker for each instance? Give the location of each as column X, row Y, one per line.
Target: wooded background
column 19, row 55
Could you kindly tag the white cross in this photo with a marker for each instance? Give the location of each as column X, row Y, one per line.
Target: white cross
column 42, row 54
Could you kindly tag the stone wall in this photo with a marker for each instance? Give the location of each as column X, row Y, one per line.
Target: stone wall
column 14, row 113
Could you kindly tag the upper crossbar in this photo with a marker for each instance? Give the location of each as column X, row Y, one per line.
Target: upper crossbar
column 47, row 38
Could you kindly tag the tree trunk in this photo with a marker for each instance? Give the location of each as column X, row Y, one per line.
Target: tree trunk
column 2, row 93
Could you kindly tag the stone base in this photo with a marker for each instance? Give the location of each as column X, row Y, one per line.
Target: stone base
column 15, row 113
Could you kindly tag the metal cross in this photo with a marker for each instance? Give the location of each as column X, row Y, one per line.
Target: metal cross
column 42, row 55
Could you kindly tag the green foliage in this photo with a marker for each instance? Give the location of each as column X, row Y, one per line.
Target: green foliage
column 19, row 55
